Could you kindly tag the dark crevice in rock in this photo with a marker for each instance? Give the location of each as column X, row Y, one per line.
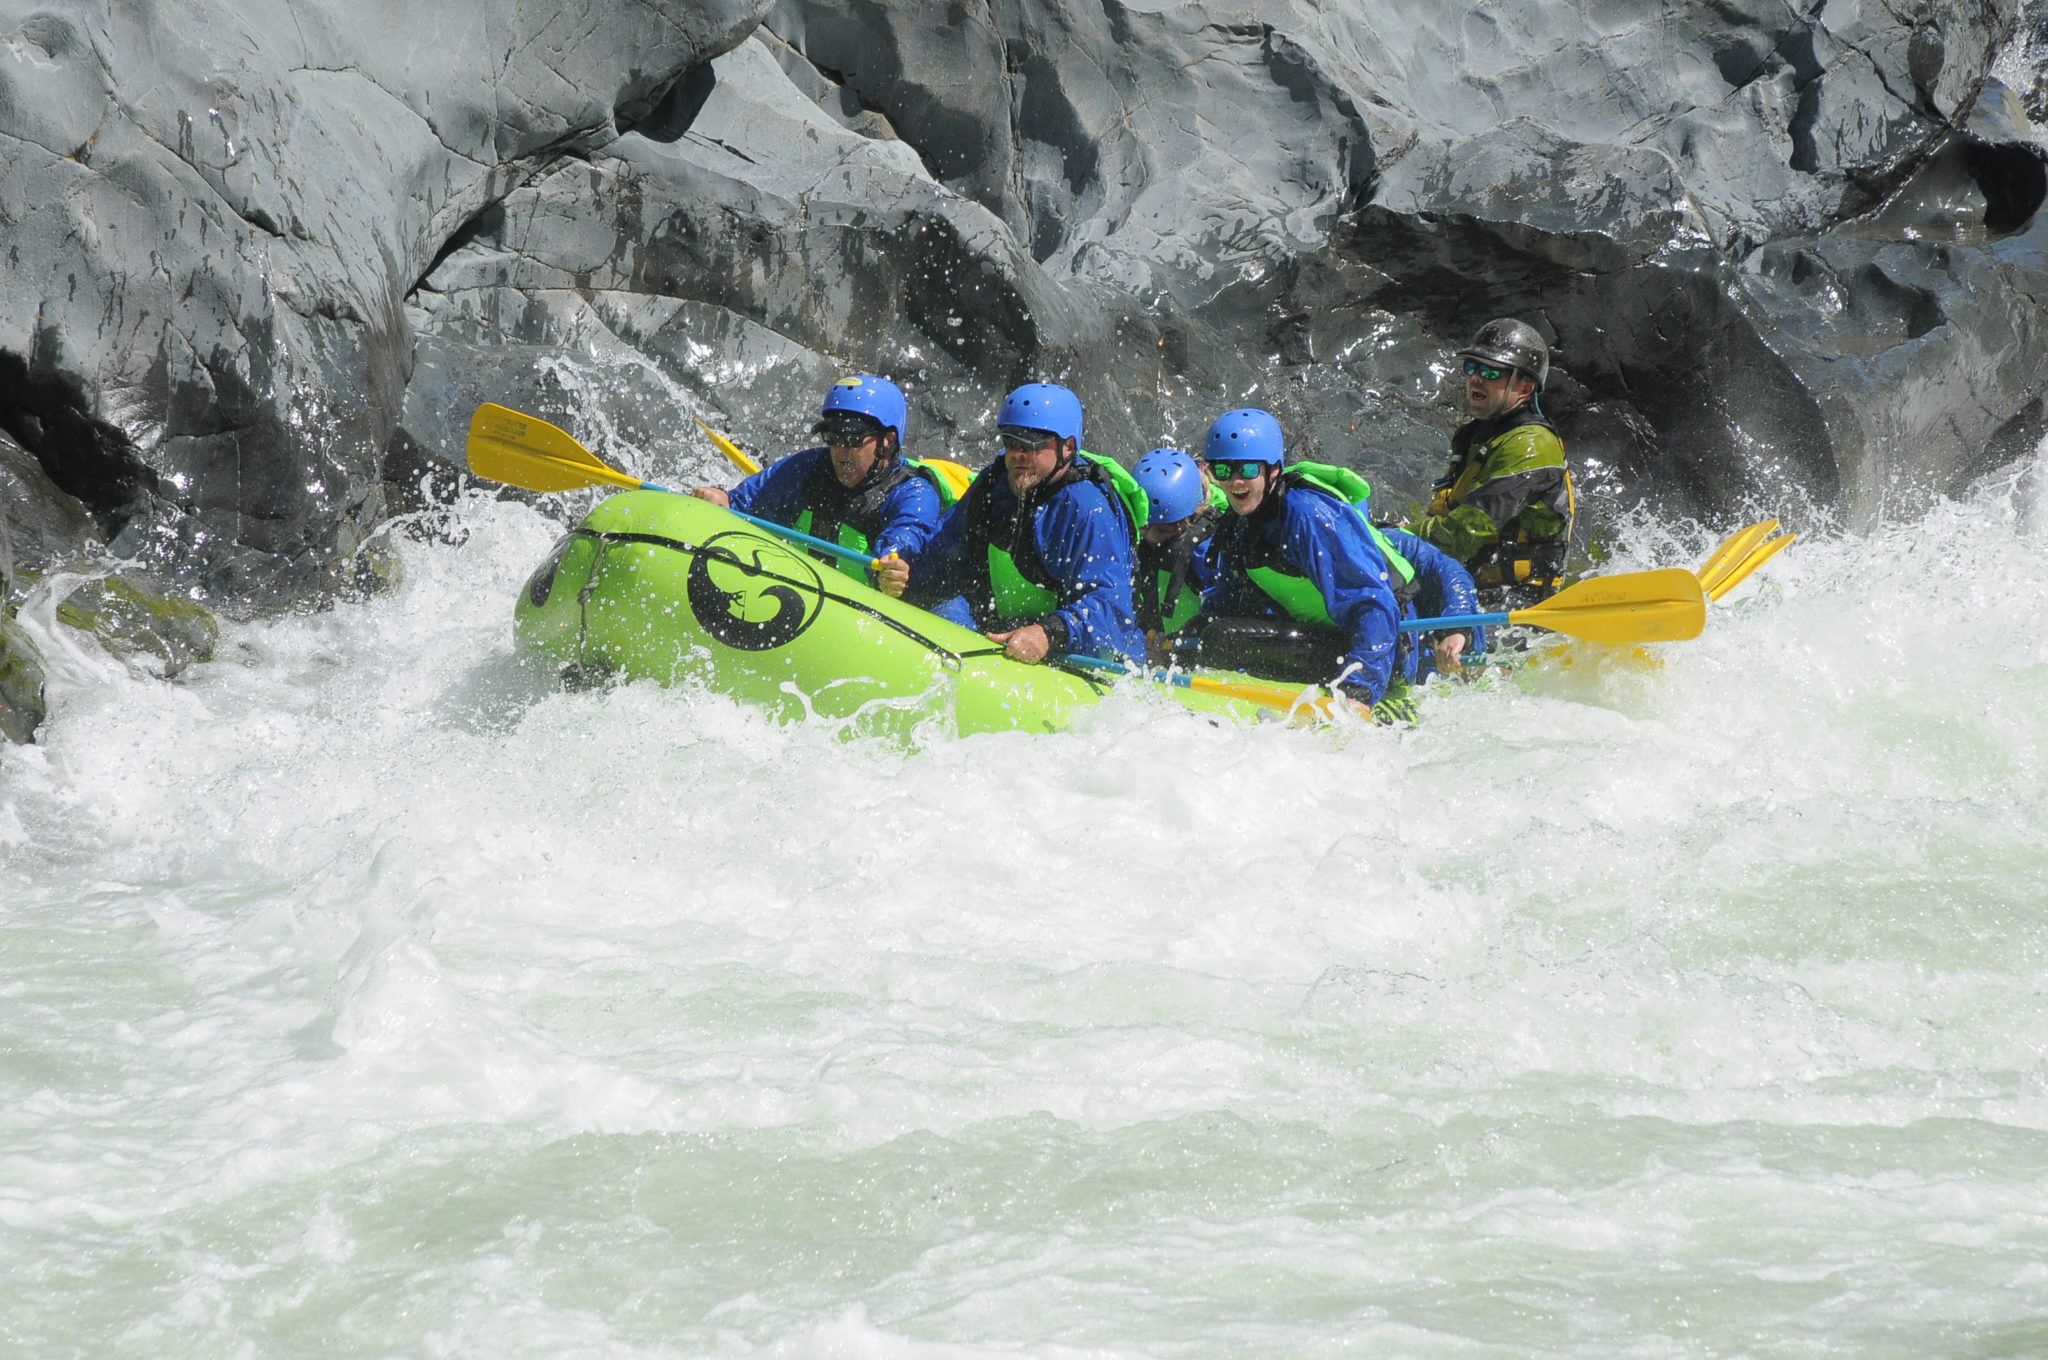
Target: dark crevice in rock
column 489, row 221
column 1047, row 116
column 86, row 458
column 1891, row 310
column 674, row 110
column 2013, row 177
column 1798, row 53
column 966, row 305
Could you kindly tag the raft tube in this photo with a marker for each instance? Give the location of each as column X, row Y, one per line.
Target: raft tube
column 655, row 585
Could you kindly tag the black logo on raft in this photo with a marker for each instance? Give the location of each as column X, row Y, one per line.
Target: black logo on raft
column 753, row 595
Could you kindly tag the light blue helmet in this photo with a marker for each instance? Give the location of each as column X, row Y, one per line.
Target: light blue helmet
column 1247, row 433
column 864, row 394
column 1043, row 406
column 1172, row 483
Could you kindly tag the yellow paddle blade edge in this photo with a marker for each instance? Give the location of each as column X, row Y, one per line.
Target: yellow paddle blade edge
column 734, row 454
column 1740, row 572
column 1638, row 606
column 1731, row 552
column 521, row 450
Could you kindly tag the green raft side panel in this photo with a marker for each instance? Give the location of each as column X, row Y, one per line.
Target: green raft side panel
column 665, row 587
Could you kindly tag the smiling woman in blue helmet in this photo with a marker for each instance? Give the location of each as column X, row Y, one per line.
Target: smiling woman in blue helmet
column 856, row 489
column 1295, row 548
column 1037, row 552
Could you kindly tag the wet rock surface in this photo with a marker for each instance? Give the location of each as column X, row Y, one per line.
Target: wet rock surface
column 264, row 260
column 22, row 679
column 213, row 213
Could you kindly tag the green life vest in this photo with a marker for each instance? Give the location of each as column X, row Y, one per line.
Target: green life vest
column 1355, row 491
column 1293, row 591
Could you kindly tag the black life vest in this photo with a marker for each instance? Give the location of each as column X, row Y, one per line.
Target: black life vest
column 1519, row 556
column 1161, row 587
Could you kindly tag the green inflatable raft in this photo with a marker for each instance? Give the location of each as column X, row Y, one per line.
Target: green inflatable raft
column 670, row 588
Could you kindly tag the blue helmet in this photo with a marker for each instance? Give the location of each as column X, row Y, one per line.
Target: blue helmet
column 864, row 394
column 1172, row 483
column 1246, row 433
column 1043, row 406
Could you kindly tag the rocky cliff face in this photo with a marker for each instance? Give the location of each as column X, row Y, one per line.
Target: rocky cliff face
column 263, row 258
column 214, row 212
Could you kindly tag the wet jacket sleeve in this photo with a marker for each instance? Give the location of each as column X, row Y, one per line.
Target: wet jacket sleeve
column 1327, row 543
column 1088, row 554
column 776, row 492
column 910, row 516
column 938, row 565
column 1445, row 587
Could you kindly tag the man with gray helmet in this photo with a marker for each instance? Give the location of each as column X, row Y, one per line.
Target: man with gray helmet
column 1505, row 508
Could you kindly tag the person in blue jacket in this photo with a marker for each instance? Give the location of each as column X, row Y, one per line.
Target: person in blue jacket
column 857, row 489
column 1292, row 549
column 1037, row 552
column 1443, row 588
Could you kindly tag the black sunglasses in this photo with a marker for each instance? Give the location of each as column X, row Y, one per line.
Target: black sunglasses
column 1224, row 469
column 1475, row 369
column 1025, row 443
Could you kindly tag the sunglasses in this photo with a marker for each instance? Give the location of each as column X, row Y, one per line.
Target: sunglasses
column 1025, row 443
column 1226, row 469
column 847, row 439
column 1475, row 369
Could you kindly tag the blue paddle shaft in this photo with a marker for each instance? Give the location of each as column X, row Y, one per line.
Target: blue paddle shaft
column 1098, row 663
column 840, row 551
column 1452, row 621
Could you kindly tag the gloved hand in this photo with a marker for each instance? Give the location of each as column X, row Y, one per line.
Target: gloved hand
column 1397, row 705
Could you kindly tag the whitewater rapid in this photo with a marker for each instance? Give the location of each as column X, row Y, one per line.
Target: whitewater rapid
column 364, row 994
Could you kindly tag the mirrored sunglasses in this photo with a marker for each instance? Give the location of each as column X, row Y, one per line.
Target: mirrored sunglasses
column 1475, row 369
column 1224, row 469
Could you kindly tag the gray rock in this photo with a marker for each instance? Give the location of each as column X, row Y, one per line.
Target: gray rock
column 1185, row 208
column 38, row 523
column 213, row 212
column 21, row 683
column 132, row 617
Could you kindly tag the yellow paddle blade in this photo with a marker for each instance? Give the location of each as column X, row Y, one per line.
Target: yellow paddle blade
column 1732, row 550
column 733, row 452
column 1739, row 573
column 1638, row 606
column 521, row 450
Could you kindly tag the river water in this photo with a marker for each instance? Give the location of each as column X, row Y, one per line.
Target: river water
column 362, row 995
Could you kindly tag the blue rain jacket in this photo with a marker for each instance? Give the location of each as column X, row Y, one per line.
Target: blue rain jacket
column 1084, row 548
column 1315, row 535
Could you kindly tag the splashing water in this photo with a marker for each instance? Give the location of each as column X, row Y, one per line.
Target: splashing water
column 365, row 995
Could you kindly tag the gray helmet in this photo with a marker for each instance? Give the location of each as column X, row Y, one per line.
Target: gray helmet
column 1509, row 343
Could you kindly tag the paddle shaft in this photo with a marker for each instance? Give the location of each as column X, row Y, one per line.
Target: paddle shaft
column 1277, row 698
column 1099, row 664
column 830, row 549
column 1451, row 621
